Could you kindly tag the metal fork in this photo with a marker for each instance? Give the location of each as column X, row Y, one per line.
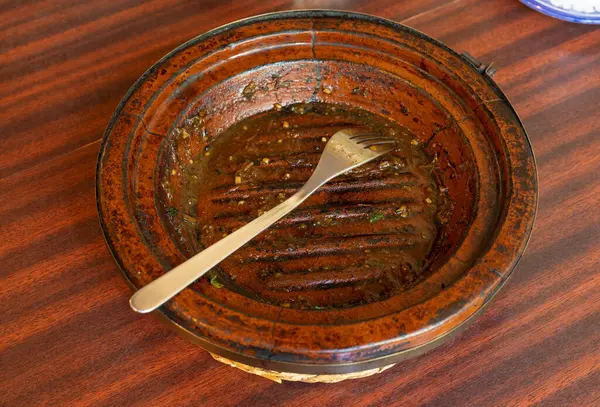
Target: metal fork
column 345, row 150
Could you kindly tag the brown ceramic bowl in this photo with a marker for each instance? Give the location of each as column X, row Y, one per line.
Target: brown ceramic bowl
column 450, row 104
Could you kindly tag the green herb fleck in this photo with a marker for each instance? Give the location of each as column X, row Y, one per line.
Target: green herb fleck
column 376, row 216
column 249, row 91
column 283, row 84
column 172, row 212
column 215, row 282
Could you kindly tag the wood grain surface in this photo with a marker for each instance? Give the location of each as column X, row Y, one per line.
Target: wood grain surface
column 67, row 335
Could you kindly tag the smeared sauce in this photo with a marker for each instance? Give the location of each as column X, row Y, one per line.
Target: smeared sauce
column 362, row 237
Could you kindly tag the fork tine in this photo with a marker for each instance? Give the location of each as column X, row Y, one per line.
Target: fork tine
column 361, row 135
column 379, row 143
column 367, row 138
column 375, row 139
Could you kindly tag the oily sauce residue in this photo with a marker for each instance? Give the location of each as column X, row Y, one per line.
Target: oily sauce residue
column 362, row 237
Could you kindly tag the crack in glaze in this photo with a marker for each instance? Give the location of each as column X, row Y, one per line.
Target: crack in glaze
column 317, row 64
column 438, row 131
column 272, row 335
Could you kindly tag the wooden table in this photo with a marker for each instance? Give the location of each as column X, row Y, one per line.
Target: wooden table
column 68, row 336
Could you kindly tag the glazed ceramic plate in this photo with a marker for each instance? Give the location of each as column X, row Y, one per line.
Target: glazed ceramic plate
column 319, row 309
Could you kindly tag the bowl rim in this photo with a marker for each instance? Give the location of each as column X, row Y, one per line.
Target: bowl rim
column 335, row 367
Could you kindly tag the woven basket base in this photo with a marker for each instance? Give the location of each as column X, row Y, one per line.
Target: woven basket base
column 299, row 377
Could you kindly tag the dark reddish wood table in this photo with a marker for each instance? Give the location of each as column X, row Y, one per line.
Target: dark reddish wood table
column 68, row 336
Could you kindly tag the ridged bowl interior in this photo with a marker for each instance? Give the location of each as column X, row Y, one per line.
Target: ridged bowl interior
column 330, row 252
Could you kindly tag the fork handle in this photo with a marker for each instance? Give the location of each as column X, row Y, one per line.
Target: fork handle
column 159, row 291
